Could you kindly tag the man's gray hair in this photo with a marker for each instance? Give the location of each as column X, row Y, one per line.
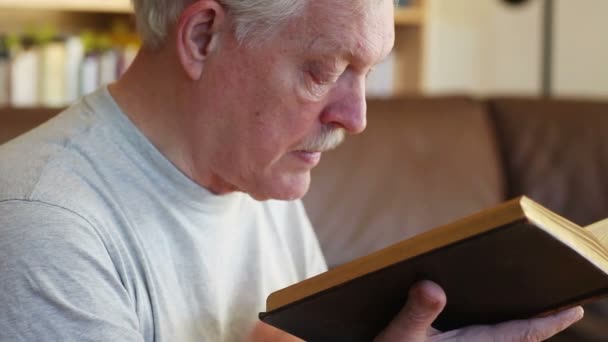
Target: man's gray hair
column 253, row 18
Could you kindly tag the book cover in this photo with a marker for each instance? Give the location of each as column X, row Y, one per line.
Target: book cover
column 515, row 261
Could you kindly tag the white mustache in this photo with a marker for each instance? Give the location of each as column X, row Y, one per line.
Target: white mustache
column 329, row 138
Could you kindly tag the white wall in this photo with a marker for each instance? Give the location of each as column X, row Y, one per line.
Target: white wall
column 581, row 48
column 483, row 47
column 453, row 43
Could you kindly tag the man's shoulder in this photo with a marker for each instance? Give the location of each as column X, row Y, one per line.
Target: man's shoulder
column 29, row 224
column 39, row 160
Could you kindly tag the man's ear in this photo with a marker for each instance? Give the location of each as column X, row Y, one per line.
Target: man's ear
column 197, row 33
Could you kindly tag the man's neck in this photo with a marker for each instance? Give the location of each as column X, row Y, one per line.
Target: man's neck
column 149, row 94
column 154, row 96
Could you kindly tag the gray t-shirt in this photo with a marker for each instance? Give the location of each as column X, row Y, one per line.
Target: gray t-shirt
column 103, row 239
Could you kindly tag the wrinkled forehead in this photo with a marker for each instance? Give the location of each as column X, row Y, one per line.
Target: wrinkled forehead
column 354, row 28
column 353, row 14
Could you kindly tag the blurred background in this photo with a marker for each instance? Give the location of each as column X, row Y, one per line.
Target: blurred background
column 53, row 51
column 480, row 101
column 500, row 47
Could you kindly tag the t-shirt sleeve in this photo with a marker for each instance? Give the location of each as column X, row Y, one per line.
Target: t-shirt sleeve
column 57, row 280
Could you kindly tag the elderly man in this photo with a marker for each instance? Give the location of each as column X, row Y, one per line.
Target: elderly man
column 148, row 210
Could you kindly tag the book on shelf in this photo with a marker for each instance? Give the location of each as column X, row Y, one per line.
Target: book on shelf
column 4, row 72
column 514, row 261
column 404, row 3
column 51, row 69
column 52, row 82
column 24, row 75
column 74, row 52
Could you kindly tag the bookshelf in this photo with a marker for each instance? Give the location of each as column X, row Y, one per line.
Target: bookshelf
column 84, row 37
column 403, row 72
column 409, row 16
column 410, row 31
column 71, row 16
column 91, row 6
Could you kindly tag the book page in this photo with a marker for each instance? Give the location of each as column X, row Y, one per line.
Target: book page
column 600, row 231
column 592, row 244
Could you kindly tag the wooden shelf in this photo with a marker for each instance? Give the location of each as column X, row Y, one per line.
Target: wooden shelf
column 97, row 6
column 15, row 15
column 403, row 16
column 409, row 16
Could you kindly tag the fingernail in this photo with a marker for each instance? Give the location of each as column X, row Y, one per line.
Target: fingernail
column 429, row 293
column 574, row 313
column 580, row 312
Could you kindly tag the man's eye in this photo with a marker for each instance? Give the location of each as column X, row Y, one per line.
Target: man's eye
column 325, row 78
column 320, row 79
column 319, row 88
column 328, row 81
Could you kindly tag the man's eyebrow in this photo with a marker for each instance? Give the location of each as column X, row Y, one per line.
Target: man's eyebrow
column 342, row 50
column 337, row 48
column 327, row 42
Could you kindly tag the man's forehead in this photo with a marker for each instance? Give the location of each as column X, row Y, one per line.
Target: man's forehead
column 353, row 45
column 359, row 49
column 360, row 32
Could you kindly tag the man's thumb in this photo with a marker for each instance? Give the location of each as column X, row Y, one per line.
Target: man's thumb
column 425, row 302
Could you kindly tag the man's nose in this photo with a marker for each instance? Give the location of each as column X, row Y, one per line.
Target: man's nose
column 347, row 107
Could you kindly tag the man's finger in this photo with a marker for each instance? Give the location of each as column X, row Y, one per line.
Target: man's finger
column 540, row 329
column 425, row 302
column 536, row 329
column 264, row 332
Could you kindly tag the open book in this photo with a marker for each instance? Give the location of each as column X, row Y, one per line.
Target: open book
column 517, row 260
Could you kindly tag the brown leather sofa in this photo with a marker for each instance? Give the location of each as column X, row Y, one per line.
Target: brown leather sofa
column 423, row 162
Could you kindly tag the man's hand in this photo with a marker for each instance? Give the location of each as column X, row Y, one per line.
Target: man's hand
column 426, row 301
column 263, row 332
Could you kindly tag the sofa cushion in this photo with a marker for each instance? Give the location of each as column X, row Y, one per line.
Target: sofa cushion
column 420, row 163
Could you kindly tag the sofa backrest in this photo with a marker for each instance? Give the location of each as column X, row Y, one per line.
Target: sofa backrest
column 420, row 163
column 16, row 122
column 556, row 152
